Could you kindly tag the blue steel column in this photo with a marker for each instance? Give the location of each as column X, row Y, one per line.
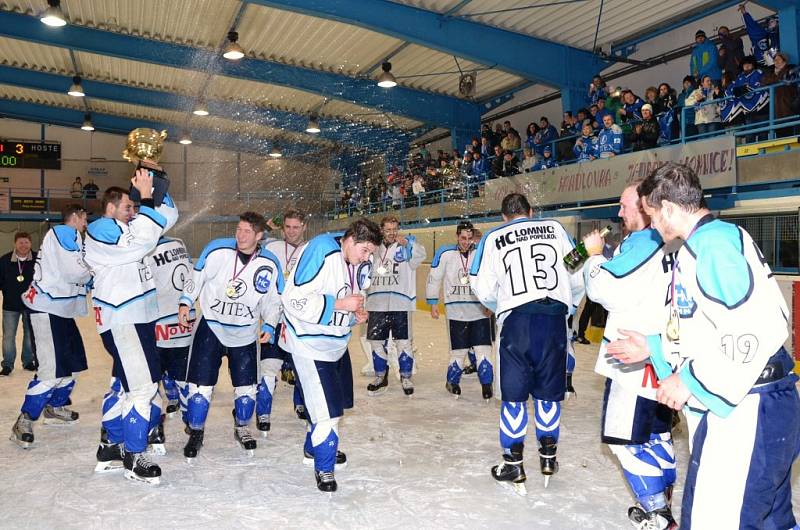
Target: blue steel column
column 789, row 20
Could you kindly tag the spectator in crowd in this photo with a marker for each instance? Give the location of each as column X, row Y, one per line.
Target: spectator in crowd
column 478, row 168
column 77, row 189
column 546, row 136
column 651, row 98
column 688, row 114
column 530, row 140
column 497, row 162
column 601, row 112
column 486, row 147
column 511, row 141
column 765, row 39
column 706, row 117
column 568, row 125
column 704, row 58
column 613, row 104
column 752, row 103
column 16, row 274
column 90, row 189
column 529, row 160
column 667, row 98
column 475, row 144
column 597, row 90
column 585, row 148
column 547, row 161
column 632, row 106
column 510, row 164
column 486, row 132
column 498, row 133
column 374, row 196
column 508, row 128
column 645, row 134
column 609, row 141
column 785, row 101
column 423, row 151
column 581, row 116
column 569, row 128
column 418, row 188
column 731, row 51
column 397, row 194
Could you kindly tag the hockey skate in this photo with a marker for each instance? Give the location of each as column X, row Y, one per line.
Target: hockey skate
column 408, row 385
column 287, row 376
column 469, row 370
column 156, row 439
column 173, row 406
column 486, row 391
column 570, row 393
column 109, row 455
column 263, row 424
column 138, row 467
column 512, row 471
column 22, row 432
column 325, row 481
column 453, row 388
column 547, row 458
column 341, row 460
column 245, row 440
column 300, row 411
column 194, row 444
column 660, row 519
column 59, row 416
column 379, row 385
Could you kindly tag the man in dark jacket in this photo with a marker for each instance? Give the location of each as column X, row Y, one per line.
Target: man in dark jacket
column 731, row 52
column 497, row 162
column 645, row 134
column 16, row 273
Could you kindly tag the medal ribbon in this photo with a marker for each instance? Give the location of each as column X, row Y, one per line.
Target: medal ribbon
column 288, row 256
column 464, row 262
column 236, row 262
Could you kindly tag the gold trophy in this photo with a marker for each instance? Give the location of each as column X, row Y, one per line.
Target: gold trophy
column 147, row 145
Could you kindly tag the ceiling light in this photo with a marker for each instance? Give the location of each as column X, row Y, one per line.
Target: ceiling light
column 275, row 153
column 386, row 79
column 200, row 109
column 313, row 125
column 76, row 89
column 233, row 51
column 87, row 122
column 185, row 139
column 53, row 16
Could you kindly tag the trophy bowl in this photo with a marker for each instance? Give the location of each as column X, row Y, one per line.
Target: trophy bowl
column 144, row 144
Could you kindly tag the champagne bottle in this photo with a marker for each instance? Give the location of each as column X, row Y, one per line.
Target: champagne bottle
column 579, row 254
column 278, row 220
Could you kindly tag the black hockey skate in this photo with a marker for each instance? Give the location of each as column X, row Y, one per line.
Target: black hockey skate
column 173, row 406
column 379, row 385
column 547, row 458
column 287, row 376
column 59, row 416
column 453, row 388
column 109, row 455
column 469, row 369
column 22, row 432
column 245, row 440
column 511, row 470
column 263, row 424
column 408, row 385
column 570, row 393
column 660, row 519
column 325, row 481
column 486, row 391
column 341, row 460
column 300, row 411
column 138, row 467
column 194, row 444
column 156, row 440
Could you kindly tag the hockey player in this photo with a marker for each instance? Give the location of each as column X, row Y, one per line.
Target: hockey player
column 125, row 309
column 720, row 354
column 578, row 289
column 390, row 300
column 171, row 267
column 272, row 356
column 519, row 273
column 322, row 301
column 467, row 320
column 632, row 286
column 55, row 297
column 237, row 283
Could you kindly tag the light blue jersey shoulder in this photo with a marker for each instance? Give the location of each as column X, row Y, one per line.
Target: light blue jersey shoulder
column 217, row 244
column 104, row 230
column 67, row 237
column 439, row 252
column 634, row 251
column 313, row 258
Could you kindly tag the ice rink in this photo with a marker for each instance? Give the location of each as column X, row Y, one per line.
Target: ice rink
column 420, row 462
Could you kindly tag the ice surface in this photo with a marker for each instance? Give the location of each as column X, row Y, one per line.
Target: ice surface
column 419, row 463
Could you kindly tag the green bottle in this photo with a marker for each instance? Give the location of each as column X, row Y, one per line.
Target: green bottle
column 579, row 254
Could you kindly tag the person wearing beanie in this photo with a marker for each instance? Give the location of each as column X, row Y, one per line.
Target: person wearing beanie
column 645, row 134
column 704, row 58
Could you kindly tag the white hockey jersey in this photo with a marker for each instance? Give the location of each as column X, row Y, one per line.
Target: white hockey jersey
column 632, row 286
column 232, row 307
column 124, row 291
column 171, row 267
column 312, row 328
column 287, row 254
column 522, row 261
column 60, row 275
column 733, row 317
column 451, row 267
column 394, row 276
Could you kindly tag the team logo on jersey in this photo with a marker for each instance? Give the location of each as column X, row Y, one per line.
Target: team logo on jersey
column 180, row 275
column 399, row 255
column 262, row 279
column 363, row 275
column 236, row 289
column 685, row 303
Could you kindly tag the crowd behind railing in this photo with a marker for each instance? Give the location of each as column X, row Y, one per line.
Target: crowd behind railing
column 755, row 97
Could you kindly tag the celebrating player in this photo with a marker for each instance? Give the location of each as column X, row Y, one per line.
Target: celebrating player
column 125, row 311
column 55, row 297
column 631, row 286
column 237, row 283
column 467, row 320
column 323, row 300
column 721, row 354
column 272, row 356
column 519, row 273
column 391, row 298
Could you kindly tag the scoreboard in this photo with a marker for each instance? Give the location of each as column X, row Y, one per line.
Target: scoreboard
column 30, row 155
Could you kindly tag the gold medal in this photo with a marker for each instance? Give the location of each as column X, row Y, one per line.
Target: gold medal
column 230, row 291
column 673, row 325
column 286, row 274
column 20, row 278
column 464, row 280
column 381, row 270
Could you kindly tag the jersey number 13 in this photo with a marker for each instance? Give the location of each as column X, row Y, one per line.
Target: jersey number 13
column 541, row 267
